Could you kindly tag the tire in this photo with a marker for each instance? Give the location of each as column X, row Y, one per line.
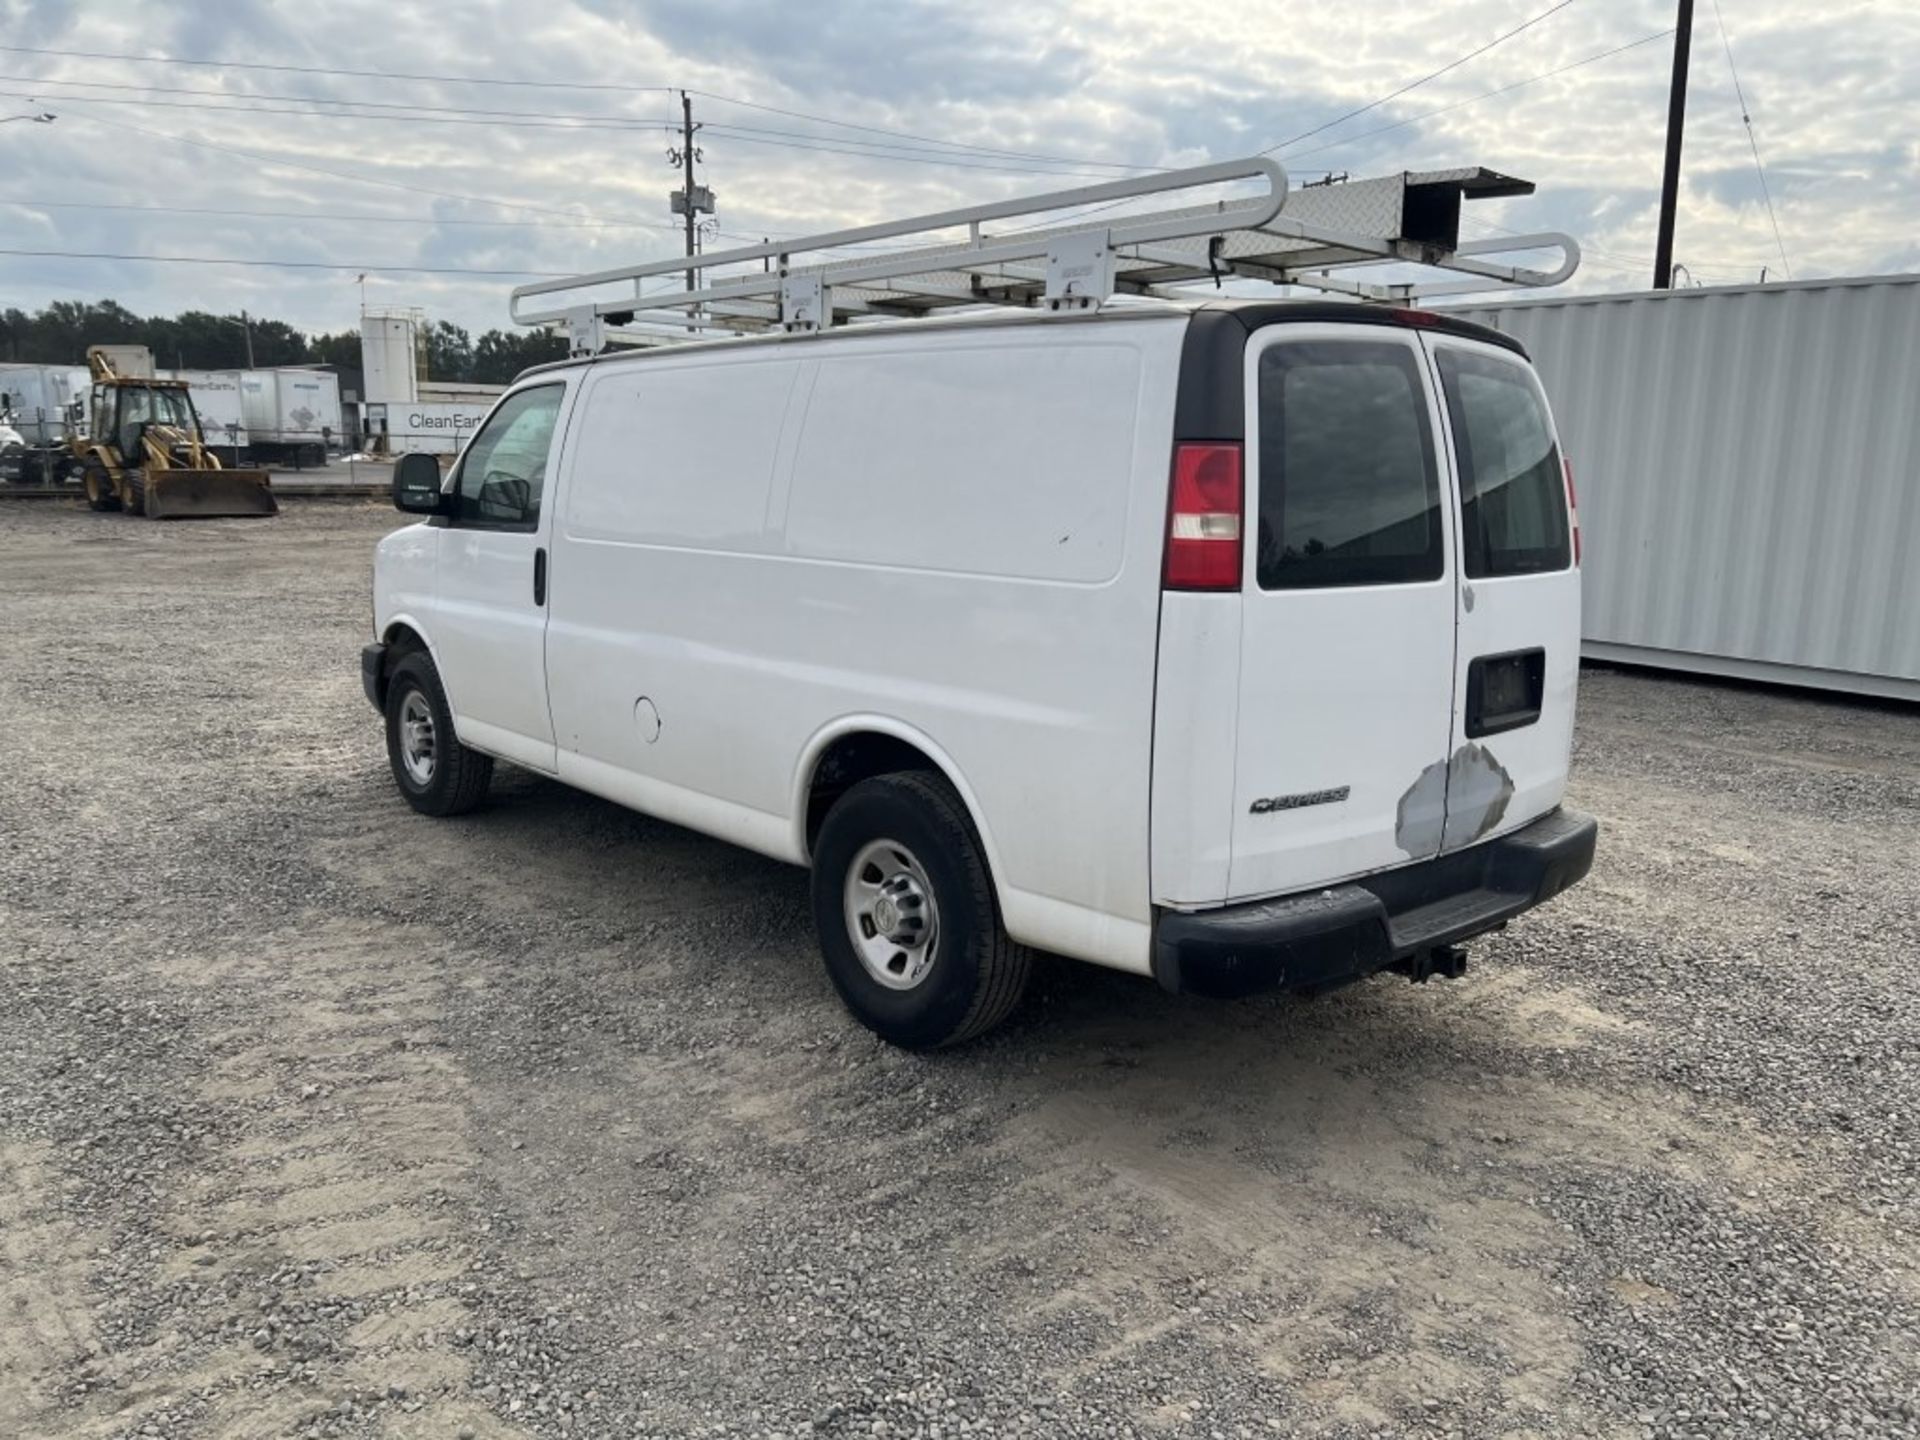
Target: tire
column 454, row 779
column 908, row 833
column 99, row 485
column 136, row 503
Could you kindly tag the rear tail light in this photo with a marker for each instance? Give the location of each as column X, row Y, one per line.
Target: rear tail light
column 1203, row 521
column 1573, row 509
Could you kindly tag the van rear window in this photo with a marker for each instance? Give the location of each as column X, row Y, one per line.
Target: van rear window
column 1513, row 506
column 1349, row 494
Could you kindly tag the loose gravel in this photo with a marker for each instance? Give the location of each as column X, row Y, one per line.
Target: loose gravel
column 318, row 1118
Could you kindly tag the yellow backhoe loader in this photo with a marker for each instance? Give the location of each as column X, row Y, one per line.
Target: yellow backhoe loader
column 142, row 450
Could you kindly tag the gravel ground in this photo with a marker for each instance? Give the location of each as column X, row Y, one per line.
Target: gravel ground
column 318, row 1118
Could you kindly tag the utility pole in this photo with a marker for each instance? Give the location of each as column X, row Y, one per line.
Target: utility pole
column 246, row 329
column 691, row 200
column 686, row 167
column 1676, row 125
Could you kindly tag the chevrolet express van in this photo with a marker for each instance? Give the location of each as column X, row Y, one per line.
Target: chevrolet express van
column 1233, row 644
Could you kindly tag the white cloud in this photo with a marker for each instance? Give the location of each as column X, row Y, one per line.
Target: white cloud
column 1831, row 88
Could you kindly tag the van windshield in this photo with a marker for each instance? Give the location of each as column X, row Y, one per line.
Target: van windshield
column 1512, row 489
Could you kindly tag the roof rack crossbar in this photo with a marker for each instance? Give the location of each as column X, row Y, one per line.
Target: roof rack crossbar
column 1028, row 245
column 1067, row 261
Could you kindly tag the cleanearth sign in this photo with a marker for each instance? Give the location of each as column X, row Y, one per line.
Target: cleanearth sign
column 440, row 428
column 441, row 419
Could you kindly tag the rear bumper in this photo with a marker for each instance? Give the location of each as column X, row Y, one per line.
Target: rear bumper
column 1331, row 936
column 373, row 669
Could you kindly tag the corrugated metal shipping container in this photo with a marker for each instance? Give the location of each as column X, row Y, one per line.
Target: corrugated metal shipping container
column 1748, row 462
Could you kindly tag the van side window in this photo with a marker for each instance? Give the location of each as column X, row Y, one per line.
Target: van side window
column 504, row 467
column 1512, row 491
column 1349, row 493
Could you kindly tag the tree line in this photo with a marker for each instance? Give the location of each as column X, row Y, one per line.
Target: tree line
column 199, row 340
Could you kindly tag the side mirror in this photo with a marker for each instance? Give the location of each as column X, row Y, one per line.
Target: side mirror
column 416, row 485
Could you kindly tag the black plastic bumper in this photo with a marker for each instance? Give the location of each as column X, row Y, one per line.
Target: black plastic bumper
column 373, row 670
column 1331, row 936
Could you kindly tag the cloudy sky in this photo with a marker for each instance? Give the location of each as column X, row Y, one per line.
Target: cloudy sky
column 530, row 136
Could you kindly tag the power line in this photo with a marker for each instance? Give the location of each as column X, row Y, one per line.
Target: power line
column 244, row 102
column 555, row 85
column 928, row 139
column 269, row 159
column 610, row 123
column 573, row 219
column 1402, row 124
column 798, row 142
column 286, row 264
column 1416, row 84
column 331, row 70
column 748, row 135
column 833, row 147
column 1483, row 95
column 1753, row 141
column 311, row 217
column 311, row 99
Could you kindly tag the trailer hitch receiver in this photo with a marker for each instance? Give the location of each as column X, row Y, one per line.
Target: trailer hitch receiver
column 1449, row 962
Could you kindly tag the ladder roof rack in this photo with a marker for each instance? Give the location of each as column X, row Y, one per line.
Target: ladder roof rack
column 955, row 260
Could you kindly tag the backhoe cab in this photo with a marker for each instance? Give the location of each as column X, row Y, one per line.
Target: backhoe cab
column 142, row 450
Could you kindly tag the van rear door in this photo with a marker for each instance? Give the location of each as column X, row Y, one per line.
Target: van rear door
column 1347, row 664
column 1519, row 594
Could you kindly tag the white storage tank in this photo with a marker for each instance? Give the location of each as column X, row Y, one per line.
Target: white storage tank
column 389, row 355
column 1748, row 468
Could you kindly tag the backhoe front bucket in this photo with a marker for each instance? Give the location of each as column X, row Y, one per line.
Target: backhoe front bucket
column 200, row 494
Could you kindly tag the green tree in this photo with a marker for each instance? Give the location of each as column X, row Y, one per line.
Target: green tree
column 500, row 355
column 341, row 351
column 201, row 340
column 449, row 352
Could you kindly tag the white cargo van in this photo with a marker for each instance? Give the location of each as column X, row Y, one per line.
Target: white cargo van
column 1232, row 643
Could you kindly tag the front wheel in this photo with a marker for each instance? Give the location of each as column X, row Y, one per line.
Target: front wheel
column 437, row 774
column 101, row 493
column 908, row 923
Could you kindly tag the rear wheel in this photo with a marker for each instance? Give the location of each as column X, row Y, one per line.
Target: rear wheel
column 437, row 774
column 905, row 908
column 101, row 494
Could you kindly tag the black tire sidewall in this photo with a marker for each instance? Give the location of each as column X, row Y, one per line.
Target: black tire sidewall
column 935, row 1010
column 416, row 673
column 94, row 476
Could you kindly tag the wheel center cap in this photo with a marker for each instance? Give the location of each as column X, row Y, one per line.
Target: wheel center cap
column 886, row 915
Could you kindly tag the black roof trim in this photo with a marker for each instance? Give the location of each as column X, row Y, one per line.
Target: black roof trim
column 1216, row 342
column 1211, row 401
